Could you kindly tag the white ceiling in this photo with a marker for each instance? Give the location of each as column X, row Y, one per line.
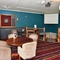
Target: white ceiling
column 34, row 6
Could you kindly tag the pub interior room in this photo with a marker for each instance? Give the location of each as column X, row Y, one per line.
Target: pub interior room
column 29, row 30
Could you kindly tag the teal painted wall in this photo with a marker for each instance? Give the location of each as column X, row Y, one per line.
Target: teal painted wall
column 29, row 21
column 32, row 19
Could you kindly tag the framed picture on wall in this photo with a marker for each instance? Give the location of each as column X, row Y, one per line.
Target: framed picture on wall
column 7, row 21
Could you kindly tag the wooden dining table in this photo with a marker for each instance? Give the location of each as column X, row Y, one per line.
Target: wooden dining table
column 14, row 43
column 18, row 41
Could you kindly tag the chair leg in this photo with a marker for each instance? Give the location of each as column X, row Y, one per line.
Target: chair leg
column 19, row 58
column 34, row 58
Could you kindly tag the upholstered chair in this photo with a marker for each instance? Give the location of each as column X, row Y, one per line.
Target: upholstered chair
column 51, row 37
column 34, row 36
column 10, row 36
column 13, row 34
column 28, row 50
column 5, row 51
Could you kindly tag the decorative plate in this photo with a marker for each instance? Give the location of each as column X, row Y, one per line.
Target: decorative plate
column 6, row 21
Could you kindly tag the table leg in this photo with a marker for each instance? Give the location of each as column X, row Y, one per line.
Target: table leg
column 14, row 53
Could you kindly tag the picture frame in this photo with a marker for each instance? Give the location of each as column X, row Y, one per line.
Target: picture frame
column 7, row 20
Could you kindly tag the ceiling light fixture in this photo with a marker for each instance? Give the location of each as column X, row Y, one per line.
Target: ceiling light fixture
column 43, row 2
column 48, row 4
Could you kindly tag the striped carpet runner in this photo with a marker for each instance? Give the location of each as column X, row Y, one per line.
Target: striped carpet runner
column 48, row 51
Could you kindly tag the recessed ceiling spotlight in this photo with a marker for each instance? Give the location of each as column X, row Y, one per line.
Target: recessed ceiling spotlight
column 43, row 2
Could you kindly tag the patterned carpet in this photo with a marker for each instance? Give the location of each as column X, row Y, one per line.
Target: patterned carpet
column 48, row 51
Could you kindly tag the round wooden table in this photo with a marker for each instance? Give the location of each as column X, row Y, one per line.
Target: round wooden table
column 18, row 41
column 15, row 43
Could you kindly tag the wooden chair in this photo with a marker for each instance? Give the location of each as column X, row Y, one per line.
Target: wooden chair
column 43, row 33
column 58, row 36
column 29, row 31
column 37, row 31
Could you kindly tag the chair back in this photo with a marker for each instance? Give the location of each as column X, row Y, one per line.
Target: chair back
column 10, row 36
column 13, row 34
column 29, row 31
column 28, row 50
column 34, row 37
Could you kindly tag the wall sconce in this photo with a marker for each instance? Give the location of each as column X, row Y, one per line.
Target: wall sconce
column 17, row 19
column 26, row 16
